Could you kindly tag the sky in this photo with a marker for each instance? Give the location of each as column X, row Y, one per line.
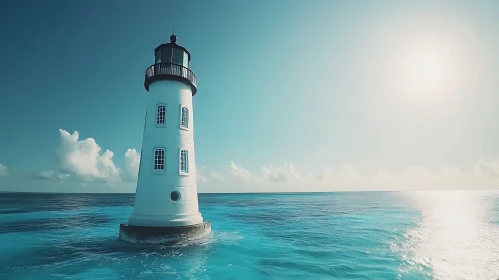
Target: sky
column 292, row 96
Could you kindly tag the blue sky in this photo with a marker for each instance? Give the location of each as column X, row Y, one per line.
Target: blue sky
column 293, row 96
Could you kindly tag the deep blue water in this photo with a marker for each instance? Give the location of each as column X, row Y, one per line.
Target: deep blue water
column 357, row 235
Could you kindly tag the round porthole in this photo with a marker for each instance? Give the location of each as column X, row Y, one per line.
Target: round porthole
column 175, row 196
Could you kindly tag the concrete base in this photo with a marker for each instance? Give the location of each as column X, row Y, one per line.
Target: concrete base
column 163, row 235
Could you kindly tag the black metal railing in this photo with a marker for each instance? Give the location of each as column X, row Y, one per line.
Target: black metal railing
column 169, row 70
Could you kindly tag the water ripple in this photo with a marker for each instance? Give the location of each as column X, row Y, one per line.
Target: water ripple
column 259, row 236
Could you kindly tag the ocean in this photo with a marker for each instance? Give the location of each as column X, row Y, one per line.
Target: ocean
column 347, row 235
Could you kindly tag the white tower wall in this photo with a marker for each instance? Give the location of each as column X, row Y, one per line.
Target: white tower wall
column 153, row 206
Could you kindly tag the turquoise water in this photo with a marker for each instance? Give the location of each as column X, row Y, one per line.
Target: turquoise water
column 358, row 235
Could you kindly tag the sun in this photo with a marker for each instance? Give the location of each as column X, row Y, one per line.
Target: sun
column 424, row 67
column 427, row 69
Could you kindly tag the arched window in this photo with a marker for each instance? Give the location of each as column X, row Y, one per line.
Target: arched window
column 184, row 118
column 161, row 114
column 184, row 161
column 159, row 159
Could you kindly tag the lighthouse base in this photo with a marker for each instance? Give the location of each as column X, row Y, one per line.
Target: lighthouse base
column 163, row 235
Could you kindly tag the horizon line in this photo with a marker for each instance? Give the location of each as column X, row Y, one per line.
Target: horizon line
column 298, row 192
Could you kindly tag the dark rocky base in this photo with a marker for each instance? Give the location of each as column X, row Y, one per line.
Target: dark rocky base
column 163, row 235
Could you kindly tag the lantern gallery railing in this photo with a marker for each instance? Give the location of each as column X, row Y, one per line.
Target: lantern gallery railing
column 170, row 71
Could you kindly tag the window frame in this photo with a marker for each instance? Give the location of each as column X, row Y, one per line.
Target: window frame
column 178, row 56
column 157, row 115
column 182, row 172
column 157, row 57
column 187, row 117
column 158, row 171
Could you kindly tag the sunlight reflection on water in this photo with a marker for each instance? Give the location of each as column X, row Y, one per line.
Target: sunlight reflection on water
column 367, row 235
column 456, row 238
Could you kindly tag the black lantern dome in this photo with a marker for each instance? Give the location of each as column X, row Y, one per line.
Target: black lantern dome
column 171, row 63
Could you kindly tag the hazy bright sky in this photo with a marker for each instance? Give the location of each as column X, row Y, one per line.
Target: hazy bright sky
column 316, row 95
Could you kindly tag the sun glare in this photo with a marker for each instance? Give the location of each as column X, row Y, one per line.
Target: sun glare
column 454, row 236
column 426, row 68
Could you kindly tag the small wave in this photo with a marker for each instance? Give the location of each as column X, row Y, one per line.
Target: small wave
column 213, row 238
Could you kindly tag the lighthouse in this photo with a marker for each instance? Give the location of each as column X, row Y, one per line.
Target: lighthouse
column 166, row 200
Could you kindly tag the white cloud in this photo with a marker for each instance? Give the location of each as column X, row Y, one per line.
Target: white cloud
column 270, row 173
column 482, row 175
column 51, row 175
column 217, row 176
column 327, row 174
column 200, row 174
column 202, row 178
column 84, row 158
column 488, row 168
column 132, row 162
column 242, row 174
column 285, row 173
column 3, row 170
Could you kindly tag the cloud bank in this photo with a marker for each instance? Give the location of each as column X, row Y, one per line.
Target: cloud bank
column 483, row 175
column 51, row 175
column 85, row 161
column 242, row 174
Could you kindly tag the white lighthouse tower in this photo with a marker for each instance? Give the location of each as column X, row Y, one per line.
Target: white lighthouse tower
column 166, row 200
